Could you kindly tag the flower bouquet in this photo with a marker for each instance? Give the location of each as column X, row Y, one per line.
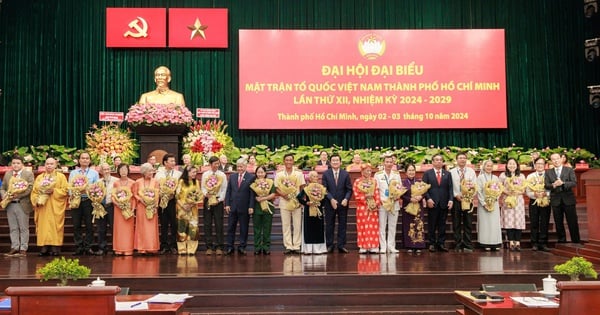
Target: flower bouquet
column 122, row 198
column 315, row 192
column 16, row 186
column 45, row 185
column 159, row 115
column 367, row 187
column 468, row 189
column 515, row 186
column 96, row 192
column 416, row 190
column 262, row 188
column 536, row 184
column 288, row 187
column 149, row 196
column 167, row 190
column 76, row 187
column 106, row 142
column 396, row 190
column 208, row 139
column 213, row 185
column 493, row 190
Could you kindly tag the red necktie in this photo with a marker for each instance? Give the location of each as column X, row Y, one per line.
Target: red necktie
column 439, row 177
column 239, row 180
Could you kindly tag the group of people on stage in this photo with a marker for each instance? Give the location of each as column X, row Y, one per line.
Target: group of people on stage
column 159, row 212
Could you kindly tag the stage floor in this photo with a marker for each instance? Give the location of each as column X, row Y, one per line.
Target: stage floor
column 278, row 264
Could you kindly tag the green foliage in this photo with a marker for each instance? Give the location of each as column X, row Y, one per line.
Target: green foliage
column 37, row 155
column 63, row 270
column 576, row 267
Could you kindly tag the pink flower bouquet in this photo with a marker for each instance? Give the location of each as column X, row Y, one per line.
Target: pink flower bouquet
column 159, row 115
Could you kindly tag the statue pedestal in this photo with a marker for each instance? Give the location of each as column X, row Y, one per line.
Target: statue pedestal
column 152, row 138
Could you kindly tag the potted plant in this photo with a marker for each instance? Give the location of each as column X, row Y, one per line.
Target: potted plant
column 576, row 267
column 64, row 270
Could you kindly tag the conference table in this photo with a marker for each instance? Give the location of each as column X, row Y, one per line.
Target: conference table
column 505, row 307
column 153, row 308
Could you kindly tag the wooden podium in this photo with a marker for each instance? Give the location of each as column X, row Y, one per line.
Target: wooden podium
column 591, row 250
column 152, row 138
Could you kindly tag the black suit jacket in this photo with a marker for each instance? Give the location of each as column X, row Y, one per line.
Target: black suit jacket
column 339, row 192
column 240, row 199
column 439, row 193
column 563, row 193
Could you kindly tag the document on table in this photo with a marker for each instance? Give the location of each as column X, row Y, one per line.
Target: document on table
column 169, row 298
column 131, row 306
column 534, row 301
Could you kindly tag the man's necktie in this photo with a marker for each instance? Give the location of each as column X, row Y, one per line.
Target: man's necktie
column 439, row 177
column 461, row 173
column 239, row 180
column 335, row 176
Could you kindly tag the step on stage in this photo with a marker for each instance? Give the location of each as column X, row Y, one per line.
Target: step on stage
column 339, row 283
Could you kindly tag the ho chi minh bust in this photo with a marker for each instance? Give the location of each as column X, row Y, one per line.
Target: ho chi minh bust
column 162, row 94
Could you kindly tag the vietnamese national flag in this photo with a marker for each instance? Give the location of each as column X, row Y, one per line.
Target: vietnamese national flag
column 198, row 28
column 136, row 27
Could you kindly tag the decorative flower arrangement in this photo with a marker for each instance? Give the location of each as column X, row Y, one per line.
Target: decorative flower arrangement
column 492, row 189
column 395, row 191
column 576, row 267
column 77, row 186
column 208, row 139
column 16, row 186
column 213, row 184
column 122, row 198
column 262, row 188
column 289, row 188
column 96, row 192
column 315, row 192
column 159, row 115
column 63, row 270
column 45, row 185
column 106, row 142
column 167, row 188
column 468, row 190
column 149, row 196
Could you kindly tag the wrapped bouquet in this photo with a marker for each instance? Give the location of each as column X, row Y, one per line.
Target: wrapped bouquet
column 45, row 185
column 367, row 186
column 493, row 190
column 122, row 198
column 468, row 189
column 262, row 188
column 167, row 187
column 416, row 190
column 77, row 186
column 396, row 190
column 96, row 192
column 149, row 196
column 515, row 186
column 212, row 184
column 16, row 185
column 194, row 196
column 315, row 192
column 536, row 184
column 289, row 188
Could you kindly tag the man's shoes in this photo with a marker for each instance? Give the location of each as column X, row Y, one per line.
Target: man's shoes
column 41, row 254
column 432, row 248
column 544, row 248
column 174, row 251
column 100, row 252
column 241, row 251
column 467, row 250
column 21, row 253
column 229, row 251
column 257, row 252
column 330, row 249
column 163, row 251
column 53, row 254
column 90, row 252
column 78, row 252
column 442, row 249
column 343, row 250
column 219, row 252
column 12, row 252
column 535, row 248
column 209, row 252
column 288, row 252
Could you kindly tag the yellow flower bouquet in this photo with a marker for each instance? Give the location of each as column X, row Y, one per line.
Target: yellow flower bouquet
column 289, row 188
column 44, row 186
column 367, row 186
column 167, row 188
column 515, row 186
column 536, row 184
column 96, row 192
column 493, row 190
column 395, row 190
column 122, row 198
column 77, row 186
column 16, row 186
column 149, row 198
column 262, row 188
column 416, row 190
column 213, row 185
column 194, row 196
column 315, row 192
column 468, row 189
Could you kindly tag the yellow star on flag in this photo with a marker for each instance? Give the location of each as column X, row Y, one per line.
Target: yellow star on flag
column 197, row 29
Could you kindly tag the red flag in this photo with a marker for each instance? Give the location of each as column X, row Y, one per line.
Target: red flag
column 136, row 27
column 198, row 28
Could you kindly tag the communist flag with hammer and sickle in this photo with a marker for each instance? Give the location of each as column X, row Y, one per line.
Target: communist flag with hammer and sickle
column 136, row 27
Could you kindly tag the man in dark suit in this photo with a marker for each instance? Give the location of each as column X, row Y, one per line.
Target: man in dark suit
column 560, row 181
column 18, row 209
column 339, row 190
column 439, row 201
column 239, row 204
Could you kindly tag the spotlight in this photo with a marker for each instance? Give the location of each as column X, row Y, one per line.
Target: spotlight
column 592, row 51
column 594, row 95
column 590, row 8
